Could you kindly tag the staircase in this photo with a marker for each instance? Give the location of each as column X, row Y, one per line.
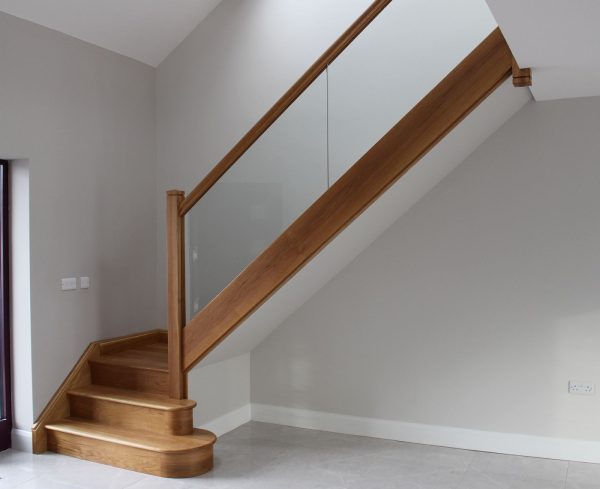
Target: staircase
column 125, row 402
column 116, row 411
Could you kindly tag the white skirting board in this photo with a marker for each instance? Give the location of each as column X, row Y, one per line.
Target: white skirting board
column 485, row 441
column 21, row 440
column 230, row 421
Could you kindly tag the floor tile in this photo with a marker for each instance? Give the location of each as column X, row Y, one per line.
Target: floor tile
column 265, row 456
column 583, row 476
column 490, row 470
column 43, row 483
column 12, row 476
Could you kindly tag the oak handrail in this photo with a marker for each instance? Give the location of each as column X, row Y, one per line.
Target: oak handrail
column 463, row 89
column 282, row 105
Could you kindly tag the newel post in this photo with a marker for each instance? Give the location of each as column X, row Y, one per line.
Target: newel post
column 175, row 294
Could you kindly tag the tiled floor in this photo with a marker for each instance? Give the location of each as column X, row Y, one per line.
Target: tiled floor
column 265, row 456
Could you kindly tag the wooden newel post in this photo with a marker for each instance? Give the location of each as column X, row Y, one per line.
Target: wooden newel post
column 175, row 294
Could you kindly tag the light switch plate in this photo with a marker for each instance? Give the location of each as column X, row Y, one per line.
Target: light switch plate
column 84, row 282
column 68, row 283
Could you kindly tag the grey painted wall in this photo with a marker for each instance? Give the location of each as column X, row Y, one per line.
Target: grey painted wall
column 477, row 307
column 84, row 119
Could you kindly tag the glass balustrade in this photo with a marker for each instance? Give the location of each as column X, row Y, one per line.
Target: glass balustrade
column 407, row 50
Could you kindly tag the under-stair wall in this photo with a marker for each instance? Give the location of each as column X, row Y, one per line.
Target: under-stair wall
column 473, row 311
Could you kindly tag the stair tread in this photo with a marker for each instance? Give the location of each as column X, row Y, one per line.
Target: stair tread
column 145, row 441
column 153, row 356
column 135, row 398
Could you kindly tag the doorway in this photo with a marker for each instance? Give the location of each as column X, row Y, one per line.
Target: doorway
column 5, row 388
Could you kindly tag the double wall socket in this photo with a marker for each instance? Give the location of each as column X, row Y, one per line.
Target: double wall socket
column 581, row 388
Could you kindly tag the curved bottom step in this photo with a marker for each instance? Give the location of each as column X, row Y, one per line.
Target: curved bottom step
column 163, row 456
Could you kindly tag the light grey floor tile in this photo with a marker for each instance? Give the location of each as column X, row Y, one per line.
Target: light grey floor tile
column 490, row 470
column 583, row 476
column 43, row 483
column 95, row 476
column 265, row 456
column 292, row 478
column 149, row 482
column 69, row 470
column 12, row 476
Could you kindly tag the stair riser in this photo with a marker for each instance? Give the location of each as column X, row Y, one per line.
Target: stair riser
column 137, row 379
column 129, row 416
column 186, row 464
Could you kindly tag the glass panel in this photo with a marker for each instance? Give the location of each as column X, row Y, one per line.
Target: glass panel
column 277, row 179
column 407, row 50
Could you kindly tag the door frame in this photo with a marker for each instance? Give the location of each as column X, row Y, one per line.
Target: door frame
column 5, row 382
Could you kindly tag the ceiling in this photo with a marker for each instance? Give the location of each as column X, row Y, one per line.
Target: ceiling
column 145, row 30
column 558, row 39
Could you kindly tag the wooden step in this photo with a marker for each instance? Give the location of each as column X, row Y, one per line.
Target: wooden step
column 143, row 369
column 161, row 455
column 132, row 409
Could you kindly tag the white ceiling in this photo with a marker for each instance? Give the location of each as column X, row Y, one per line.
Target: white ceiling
column 146, row 30
column 558, row 39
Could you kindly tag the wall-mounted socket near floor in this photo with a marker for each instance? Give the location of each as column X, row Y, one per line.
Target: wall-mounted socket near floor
column 68, row 283
column 581, row 388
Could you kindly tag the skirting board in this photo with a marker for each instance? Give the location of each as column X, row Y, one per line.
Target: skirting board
column 230, row 421
column 484, row 441
column 21, row 440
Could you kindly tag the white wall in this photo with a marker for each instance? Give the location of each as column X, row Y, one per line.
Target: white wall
column 477, row 307
column 84, row 119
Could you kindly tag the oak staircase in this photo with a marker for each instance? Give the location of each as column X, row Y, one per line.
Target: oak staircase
column 114, row 409
column 125, row 402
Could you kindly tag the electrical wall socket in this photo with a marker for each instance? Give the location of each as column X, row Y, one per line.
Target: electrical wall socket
column 582, row 388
